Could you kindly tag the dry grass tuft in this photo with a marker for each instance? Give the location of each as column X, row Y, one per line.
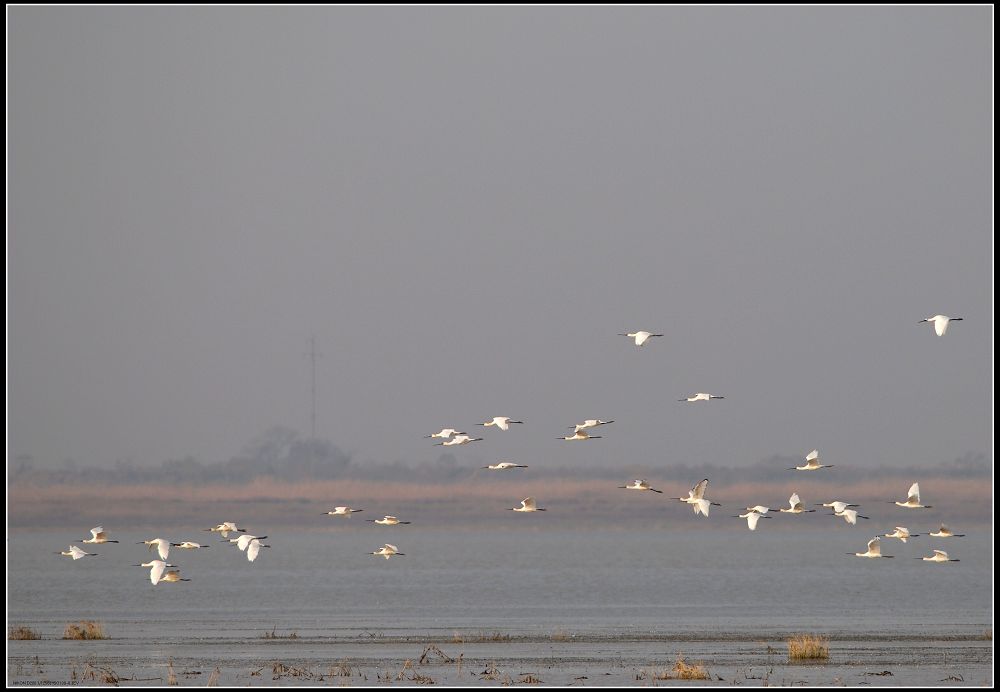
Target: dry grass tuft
column 213, row 679
column 407, row 665
column 342, row 669
column 808, row 647
column 491, row 672
column 19, row 632
column 468, row 637
column 274, row 635
column 529, row 679
column 280, row 670
column 561, row 635
column 431, row 649
column 682, row 670
column 107, row 675
column 85, row 629
column 694, row 671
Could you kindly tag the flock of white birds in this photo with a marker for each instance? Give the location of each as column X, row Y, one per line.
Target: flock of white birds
column 251, row 545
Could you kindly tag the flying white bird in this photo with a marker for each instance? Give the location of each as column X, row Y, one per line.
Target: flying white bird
column 162, row 546
column 913, row 499
column 589, row 423
column 458, row 440
column 504, row 465
column 253, row 547
column 945, row 532
column 752, row 518
column 701, row 396
column 156, row 570
column 938, row 556
column 527, row 505
column 902, row 533
column 245, row 540
column 446, row 433
column 172, row 575
column 640, row 484
column 696, row 498
column 850, row 516
column 812, row 463
column 580, row 435
column 640, row 337
column 759, row 509
column 225, row 528
column 98, row 535
column 388, row 520
column 874, row 549
column 837, row 505
column 941, row 323
column 188, row 545
column 387, row 551
column 795, row 506
column 343, row 511
column 502, row 422
column 76, row 553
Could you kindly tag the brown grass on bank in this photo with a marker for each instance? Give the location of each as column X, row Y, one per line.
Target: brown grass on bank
column 85, row 629
column 808, row 647
column 274, row 635
column 19, row 632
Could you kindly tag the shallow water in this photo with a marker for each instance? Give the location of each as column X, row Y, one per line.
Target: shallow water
column 566, row 602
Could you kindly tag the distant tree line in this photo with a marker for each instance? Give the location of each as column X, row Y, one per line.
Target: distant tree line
column 283, row 453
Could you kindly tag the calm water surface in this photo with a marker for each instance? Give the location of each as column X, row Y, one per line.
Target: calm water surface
column 710, row 583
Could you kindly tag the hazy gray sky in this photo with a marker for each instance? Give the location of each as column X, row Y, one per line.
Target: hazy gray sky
column 465, row 206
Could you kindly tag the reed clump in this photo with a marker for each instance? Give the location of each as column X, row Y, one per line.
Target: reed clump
column 19, row 632
column 808, row 647
column 85, row 629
